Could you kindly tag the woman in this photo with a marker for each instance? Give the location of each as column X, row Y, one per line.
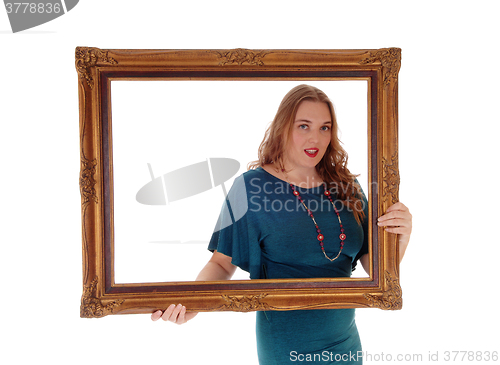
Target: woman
column 305, row 216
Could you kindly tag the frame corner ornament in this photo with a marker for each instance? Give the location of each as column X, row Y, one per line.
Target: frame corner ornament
column 390, row 58
column 240, row 56
column 391, row 178
column 391, row 299
column 245, row 303
column 88, row 57
column 91, row 306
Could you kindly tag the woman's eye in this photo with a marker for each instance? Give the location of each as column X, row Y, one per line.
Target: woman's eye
column 303, row 126
column 325, row 128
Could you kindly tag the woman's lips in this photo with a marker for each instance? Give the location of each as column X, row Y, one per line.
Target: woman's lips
column 311, row 152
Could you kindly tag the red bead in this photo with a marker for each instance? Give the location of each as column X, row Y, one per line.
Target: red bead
column 327, row 193
column 342, row 236
column 321, row 237
column 296, row 193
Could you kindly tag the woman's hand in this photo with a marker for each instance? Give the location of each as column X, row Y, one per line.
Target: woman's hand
column 397, row 220
column 175, row 313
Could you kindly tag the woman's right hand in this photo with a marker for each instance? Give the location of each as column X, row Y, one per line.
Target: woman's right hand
column 174, row 313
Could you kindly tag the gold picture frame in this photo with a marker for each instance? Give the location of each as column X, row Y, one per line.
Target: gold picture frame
column 97, row 67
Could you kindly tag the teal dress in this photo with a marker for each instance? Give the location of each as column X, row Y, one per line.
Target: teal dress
column 266, row 231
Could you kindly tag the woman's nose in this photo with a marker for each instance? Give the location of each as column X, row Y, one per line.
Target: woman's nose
column 314, row 136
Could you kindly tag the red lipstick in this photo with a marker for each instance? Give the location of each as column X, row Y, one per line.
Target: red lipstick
column 311, row 152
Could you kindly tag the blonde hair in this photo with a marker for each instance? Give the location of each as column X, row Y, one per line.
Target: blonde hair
column 333, row 166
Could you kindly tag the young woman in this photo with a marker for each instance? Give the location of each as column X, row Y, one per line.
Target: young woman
column 300, row 213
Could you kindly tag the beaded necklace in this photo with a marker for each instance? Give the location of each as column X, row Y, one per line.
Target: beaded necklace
column 320, row 236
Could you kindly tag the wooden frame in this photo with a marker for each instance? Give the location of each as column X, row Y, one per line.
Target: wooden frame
column 96, row 68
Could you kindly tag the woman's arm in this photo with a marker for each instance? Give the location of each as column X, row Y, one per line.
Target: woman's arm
column 219, row 267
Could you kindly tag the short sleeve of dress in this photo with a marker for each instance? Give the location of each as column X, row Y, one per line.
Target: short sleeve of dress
column 235, row 233
column 364, row 224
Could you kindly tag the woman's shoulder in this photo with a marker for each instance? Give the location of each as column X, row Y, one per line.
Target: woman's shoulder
column 260, row 176
column 246, row 180
column 253, row 172
column 257, row 173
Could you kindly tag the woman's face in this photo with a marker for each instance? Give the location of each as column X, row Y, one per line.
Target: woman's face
column 311, row 135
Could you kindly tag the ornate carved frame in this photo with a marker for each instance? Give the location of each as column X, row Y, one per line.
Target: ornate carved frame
column 96, row 68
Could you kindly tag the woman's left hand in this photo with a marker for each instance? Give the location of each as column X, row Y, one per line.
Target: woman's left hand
column 397, row 219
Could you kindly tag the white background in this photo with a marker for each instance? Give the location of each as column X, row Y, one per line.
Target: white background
column 448, row 89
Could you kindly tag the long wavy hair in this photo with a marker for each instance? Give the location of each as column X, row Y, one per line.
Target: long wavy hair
column 333, row 166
